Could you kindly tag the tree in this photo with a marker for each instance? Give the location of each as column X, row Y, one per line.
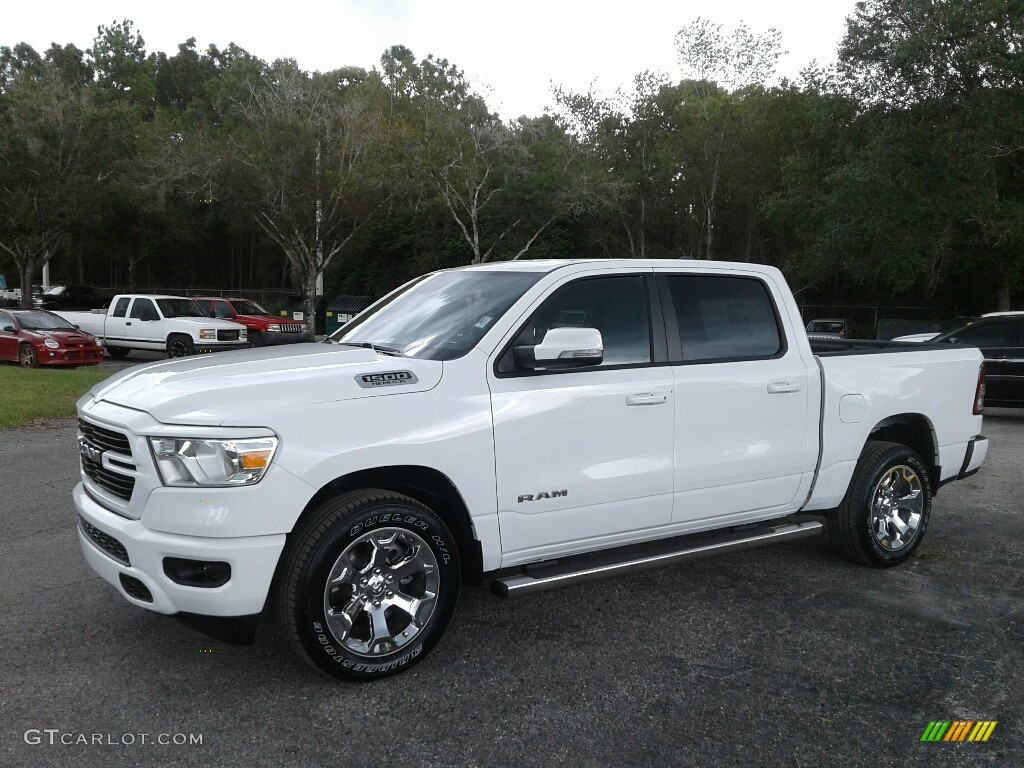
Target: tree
column 306, row 158
column 948, row 75
column 721, row 66
column 44, row 166
column 503, row 184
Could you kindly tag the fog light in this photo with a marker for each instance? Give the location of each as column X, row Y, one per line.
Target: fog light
column 197, row 573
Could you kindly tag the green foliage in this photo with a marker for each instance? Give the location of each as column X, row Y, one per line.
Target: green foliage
column 896, row 177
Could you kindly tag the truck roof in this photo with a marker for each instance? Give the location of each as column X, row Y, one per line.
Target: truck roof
column 550, row 265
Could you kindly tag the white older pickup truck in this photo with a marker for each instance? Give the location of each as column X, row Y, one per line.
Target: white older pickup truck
column 174, row 324
column 541, row 423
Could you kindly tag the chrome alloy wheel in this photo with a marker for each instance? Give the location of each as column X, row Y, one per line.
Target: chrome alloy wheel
column 896, row 508
column 381, row 591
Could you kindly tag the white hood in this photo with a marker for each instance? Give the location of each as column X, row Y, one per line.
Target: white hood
column 244, row 388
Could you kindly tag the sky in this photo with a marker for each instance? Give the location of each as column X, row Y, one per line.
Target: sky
column 512, row 51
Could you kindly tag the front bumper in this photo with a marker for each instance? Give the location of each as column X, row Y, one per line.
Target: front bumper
column 252, row 559
column 272, row 338
column 81, row 356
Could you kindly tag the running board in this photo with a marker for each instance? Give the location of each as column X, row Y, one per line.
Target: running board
column 657, row 554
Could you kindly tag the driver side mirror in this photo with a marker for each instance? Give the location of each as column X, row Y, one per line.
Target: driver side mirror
column 561, row 349
column 8, row 329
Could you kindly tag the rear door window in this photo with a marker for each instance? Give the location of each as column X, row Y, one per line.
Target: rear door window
column 121, row 308
column 723, row 318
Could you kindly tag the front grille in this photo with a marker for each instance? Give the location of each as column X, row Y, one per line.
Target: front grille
column 135, row 588
column 72, row 355
column 107, row 543
column 227, row 335
column 112, row 481
column 106, row 439
column 291, row 328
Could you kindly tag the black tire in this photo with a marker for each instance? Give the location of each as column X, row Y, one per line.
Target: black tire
column 179, row 345
column 336, row 538
column 27, row 357
column 863, row 527
column 255, row 339
column 118, row 352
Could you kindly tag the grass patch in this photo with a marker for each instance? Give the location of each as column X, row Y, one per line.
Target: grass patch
column 30, row 394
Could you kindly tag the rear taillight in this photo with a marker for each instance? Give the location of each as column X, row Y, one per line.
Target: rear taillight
column 979, row 393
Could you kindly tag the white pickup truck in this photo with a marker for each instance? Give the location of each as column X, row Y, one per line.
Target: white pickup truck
column 174, row 324
column 540, row 422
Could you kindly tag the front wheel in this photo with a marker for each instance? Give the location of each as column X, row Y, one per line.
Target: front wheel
column 368, row 584
column 27, row 357
column 179, row 346
column 255, row 339
column 885, row 513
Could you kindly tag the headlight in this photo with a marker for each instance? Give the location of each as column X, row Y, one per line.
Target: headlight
column 210, row 334
column 187, row 463
column 244, row 333
column 51, row 344
column 274, row 327
column 99, row 343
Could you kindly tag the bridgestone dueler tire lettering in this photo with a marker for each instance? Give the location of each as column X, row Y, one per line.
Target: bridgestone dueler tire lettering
column 315, row 545
column 849, row 525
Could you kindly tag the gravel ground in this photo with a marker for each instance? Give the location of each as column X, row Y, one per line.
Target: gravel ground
column 784, row 656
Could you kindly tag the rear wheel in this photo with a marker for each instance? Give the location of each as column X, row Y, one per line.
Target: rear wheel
column 885, row 513
column 179, row 345
column 27, row 357
column 118, row 352
column 368, row 584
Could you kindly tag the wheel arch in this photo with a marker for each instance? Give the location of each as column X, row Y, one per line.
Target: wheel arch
column 428, row 486
column 915, row 431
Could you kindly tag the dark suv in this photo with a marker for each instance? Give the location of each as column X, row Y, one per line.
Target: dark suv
column 1000, row 337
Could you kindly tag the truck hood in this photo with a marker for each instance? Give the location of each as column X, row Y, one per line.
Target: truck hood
column 245, row 388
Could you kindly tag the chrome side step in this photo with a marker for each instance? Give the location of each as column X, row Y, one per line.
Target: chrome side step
column 599, row 565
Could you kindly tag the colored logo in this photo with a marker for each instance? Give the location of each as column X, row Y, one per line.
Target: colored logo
column 959, row 730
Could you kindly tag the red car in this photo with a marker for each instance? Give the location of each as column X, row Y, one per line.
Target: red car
column 264, row 328
column 34, row 337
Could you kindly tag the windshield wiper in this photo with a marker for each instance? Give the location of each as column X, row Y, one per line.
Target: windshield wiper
column 374, row 347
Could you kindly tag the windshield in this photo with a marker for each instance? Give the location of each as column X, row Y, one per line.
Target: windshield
column 243, row 307
column 180, row 308
column 442, row 316
column 43, row 321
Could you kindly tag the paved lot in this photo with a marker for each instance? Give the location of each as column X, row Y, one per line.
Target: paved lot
column 786, row 656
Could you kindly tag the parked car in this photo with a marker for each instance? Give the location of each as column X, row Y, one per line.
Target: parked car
column 1000, row 337
column 172, row 323
column 917, row 338
column 264, row 328
column 34, row 337
column 69, row 297
column 539, row 423
column 829, row 328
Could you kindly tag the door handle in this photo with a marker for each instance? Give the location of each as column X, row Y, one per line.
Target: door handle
column 780, row 387
column 129, row 322
column 647, row 398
